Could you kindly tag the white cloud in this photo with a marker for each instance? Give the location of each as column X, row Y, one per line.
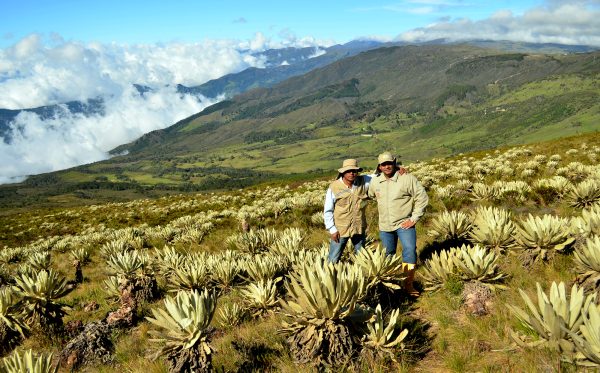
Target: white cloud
column 259, row 42
column 380, row 38
column 36, row 75
column 290, row 39
column 318, row 52
column 38, row 72
column 564, row 22
column 72, row 139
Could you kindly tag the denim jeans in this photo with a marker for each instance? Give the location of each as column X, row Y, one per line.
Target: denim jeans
column 408, row 239
column 336, row 248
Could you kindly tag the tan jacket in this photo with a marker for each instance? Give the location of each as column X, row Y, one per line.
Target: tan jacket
column 399, row 198
column 350, row 205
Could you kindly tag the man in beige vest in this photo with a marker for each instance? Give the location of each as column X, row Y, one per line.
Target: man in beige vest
column 344, row 212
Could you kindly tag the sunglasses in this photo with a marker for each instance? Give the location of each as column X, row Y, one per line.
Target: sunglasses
column 387, row 164
column 352, row 172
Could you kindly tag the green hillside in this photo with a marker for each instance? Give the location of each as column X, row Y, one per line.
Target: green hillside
column 418, row 101
column 508, row 251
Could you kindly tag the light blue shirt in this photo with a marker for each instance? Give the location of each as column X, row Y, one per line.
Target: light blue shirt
column 330, row 204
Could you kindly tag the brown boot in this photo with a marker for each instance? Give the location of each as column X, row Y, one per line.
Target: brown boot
column 409, row 272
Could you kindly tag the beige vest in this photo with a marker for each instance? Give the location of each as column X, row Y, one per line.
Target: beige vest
column 349, row 210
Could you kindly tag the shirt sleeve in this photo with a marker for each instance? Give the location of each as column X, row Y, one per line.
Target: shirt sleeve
column 328, row 211
column 367, row 180
column 370, row 192
column 421, row 200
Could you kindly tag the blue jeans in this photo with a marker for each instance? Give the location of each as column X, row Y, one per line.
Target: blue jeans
column 336, row 248
column 408, row 238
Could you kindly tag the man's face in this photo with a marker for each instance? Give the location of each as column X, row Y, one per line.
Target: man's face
column 350, row 175
column 387, row 168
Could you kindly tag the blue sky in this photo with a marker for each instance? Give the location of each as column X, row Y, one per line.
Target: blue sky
column 152, row 21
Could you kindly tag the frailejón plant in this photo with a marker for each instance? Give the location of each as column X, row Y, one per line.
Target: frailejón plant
column 260, row 296
column 190, row 275
column 382, row 338
column 225, row 271
column 587, row 263
column 587, row 341
column 40, row 294
column 81, row 254
column 183, row 330
column 588, row 224
column 380, row 268
column 439, row 269
column 291, row 239
column 231, row 315
column 540, row 235
column 264, row 267
column 450, row 225
column 127, row 263
column 12, row 328
column 322, row 298
column 553, row 317
column 27, row 362
column 584, row 194
column 40, row 261
column 492, row 228
column 483, row 192
column 478, row 264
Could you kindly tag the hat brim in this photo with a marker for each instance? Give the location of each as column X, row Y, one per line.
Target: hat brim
column 344, row 169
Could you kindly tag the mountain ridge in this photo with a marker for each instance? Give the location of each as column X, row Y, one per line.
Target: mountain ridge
column 262, row 100
column 417, row 101
column 236, row 83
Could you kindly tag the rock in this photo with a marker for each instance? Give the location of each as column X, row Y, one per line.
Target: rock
column 92, row 346
column 92, row 306
column 477, row 298
column 73, row 327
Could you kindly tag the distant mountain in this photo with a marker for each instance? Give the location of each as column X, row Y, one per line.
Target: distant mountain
column 280, row 64
column 417, row 80
column 298, row 61
column 547, row 48
column 94, row 106
column 287, row 56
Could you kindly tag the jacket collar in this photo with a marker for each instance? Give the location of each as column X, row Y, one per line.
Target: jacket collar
column 394, row 178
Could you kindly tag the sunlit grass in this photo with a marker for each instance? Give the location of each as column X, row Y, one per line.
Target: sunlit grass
column 456, row 340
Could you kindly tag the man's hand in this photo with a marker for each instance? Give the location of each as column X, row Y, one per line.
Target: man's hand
column 402, row 170
column 335, row 237
column 407, row 224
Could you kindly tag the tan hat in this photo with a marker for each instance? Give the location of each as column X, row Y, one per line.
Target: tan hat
column 385, row 157
column 349, row 164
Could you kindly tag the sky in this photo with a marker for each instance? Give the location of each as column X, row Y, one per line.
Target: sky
column 52, row 52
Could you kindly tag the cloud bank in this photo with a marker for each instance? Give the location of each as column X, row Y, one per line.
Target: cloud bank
column 564, row 22
column 36, row 72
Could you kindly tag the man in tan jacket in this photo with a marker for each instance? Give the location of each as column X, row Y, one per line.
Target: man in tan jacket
column 401, row 201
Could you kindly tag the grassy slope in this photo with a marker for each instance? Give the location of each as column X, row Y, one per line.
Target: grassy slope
column 444, row 338
column 487, row 125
